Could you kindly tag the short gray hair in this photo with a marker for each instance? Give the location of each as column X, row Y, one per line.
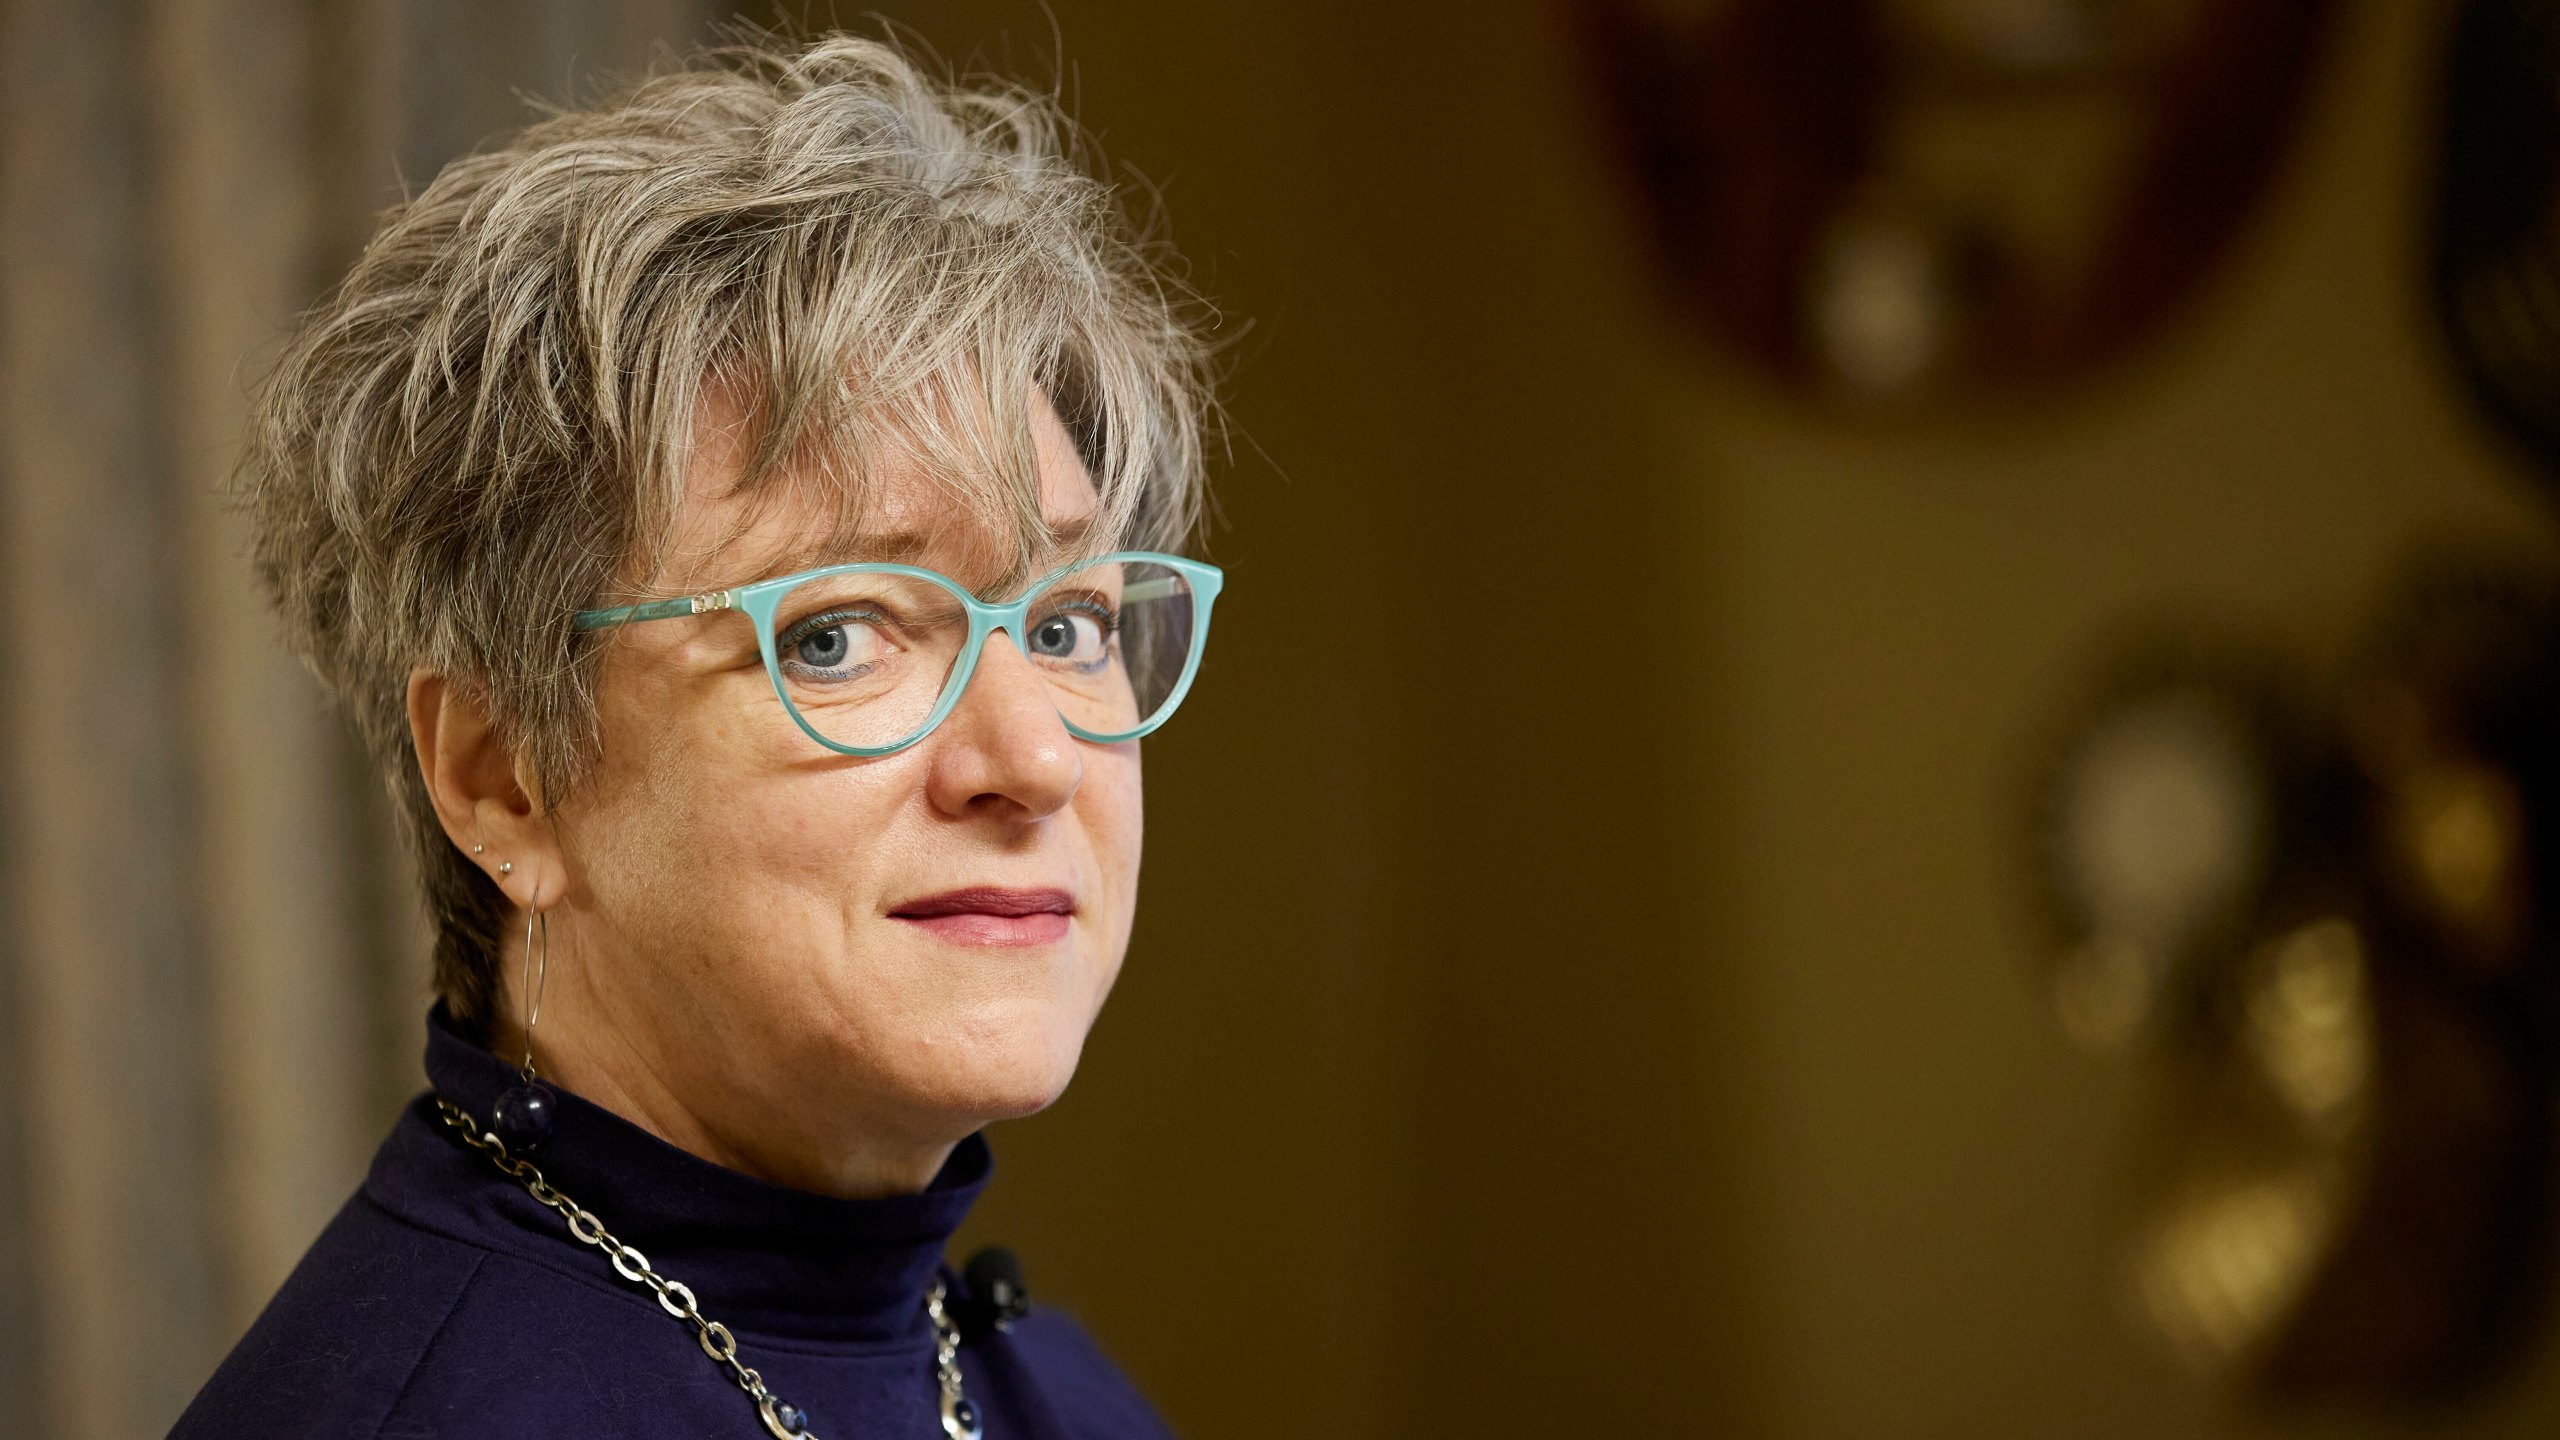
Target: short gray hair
column 485, row 428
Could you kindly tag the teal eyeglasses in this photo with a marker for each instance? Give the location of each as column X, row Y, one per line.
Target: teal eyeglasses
column 869, row 658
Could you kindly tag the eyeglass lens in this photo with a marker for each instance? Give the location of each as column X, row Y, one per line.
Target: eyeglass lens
column 865, row 657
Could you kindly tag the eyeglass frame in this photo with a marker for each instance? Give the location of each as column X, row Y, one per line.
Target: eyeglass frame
column 761, row 600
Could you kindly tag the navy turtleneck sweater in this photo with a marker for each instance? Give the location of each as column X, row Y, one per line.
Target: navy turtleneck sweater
column 445, row 1301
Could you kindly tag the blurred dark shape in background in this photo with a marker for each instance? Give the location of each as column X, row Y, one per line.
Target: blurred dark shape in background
column 1587, row 989
column 1857, row 194
column 2494, row 265
column 2324, row 914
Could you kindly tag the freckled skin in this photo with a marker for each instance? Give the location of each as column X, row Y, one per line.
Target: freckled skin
column 724, row 968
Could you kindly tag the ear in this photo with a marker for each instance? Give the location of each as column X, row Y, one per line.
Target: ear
column 491, row 809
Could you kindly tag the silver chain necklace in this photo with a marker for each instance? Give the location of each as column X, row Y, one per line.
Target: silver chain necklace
column 786, row 1421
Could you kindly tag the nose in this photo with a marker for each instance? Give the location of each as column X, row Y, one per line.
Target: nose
column 1003, row 747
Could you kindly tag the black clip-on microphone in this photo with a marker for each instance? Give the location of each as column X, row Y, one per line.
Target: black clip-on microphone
column 996, row 1295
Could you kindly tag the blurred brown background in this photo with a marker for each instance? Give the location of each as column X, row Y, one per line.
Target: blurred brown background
column 1596, row 998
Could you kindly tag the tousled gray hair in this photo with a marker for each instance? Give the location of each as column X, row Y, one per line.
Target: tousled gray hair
column 486, row 427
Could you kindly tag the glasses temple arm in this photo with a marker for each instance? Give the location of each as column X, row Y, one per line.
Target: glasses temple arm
column 656, row 610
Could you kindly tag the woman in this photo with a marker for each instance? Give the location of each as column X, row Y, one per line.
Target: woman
column 735, row 515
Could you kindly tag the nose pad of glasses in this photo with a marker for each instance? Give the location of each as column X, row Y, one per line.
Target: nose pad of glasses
column 978, row 661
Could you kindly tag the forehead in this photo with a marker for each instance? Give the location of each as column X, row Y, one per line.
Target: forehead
column 803, row 516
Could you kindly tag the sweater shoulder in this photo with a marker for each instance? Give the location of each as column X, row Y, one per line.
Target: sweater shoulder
column 1090, row 1396
column 332, row 1352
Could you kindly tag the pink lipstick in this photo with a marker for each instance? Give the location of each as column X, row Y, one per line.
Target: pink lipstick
column 991, row 915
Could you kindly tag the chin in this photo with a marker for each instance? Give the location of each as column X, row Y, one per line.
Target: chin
column 979, row 1099
column 1017, row 1103
column 1004, row 1072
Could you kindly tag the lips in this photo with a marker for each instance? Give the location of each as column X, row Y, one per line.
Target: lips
column 990, row 915
column 988, row 900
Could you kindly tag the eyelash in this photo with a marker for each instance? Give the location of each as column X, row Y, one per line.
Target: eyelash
column 801, row 629
column 1099, row 609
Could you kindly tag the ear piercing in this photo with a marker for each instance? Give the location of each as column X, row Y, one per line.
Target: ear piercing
column 506, row 867
column 476, row 849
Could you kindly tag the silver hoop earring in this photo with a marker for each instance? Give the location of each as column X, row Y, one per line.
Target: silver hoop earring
column 525, row 1114
column 535, row 980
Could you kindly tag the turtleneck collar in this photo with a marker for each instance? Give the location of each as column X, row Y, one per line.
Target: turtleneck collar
column 759, row 1257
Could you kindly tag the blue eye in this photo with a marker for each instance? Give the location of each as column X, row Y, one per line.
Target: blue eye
column 1078, row 636
column 836, row 646
column 824, row 649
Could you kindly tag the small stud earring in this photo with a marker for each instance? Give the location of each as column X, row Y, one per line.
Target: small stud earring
column 476, row 849
column 506, row 867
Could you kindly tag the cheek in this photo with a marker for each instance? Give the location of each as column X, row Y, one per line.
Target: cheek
column 631, row 827
column 1112, row 805
column 708, row 834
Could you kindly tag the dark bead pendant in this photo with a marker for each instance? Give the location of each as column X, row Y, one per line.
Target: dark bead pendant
column 960, row 1419
column 524, row 1116
column 782, row 1420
